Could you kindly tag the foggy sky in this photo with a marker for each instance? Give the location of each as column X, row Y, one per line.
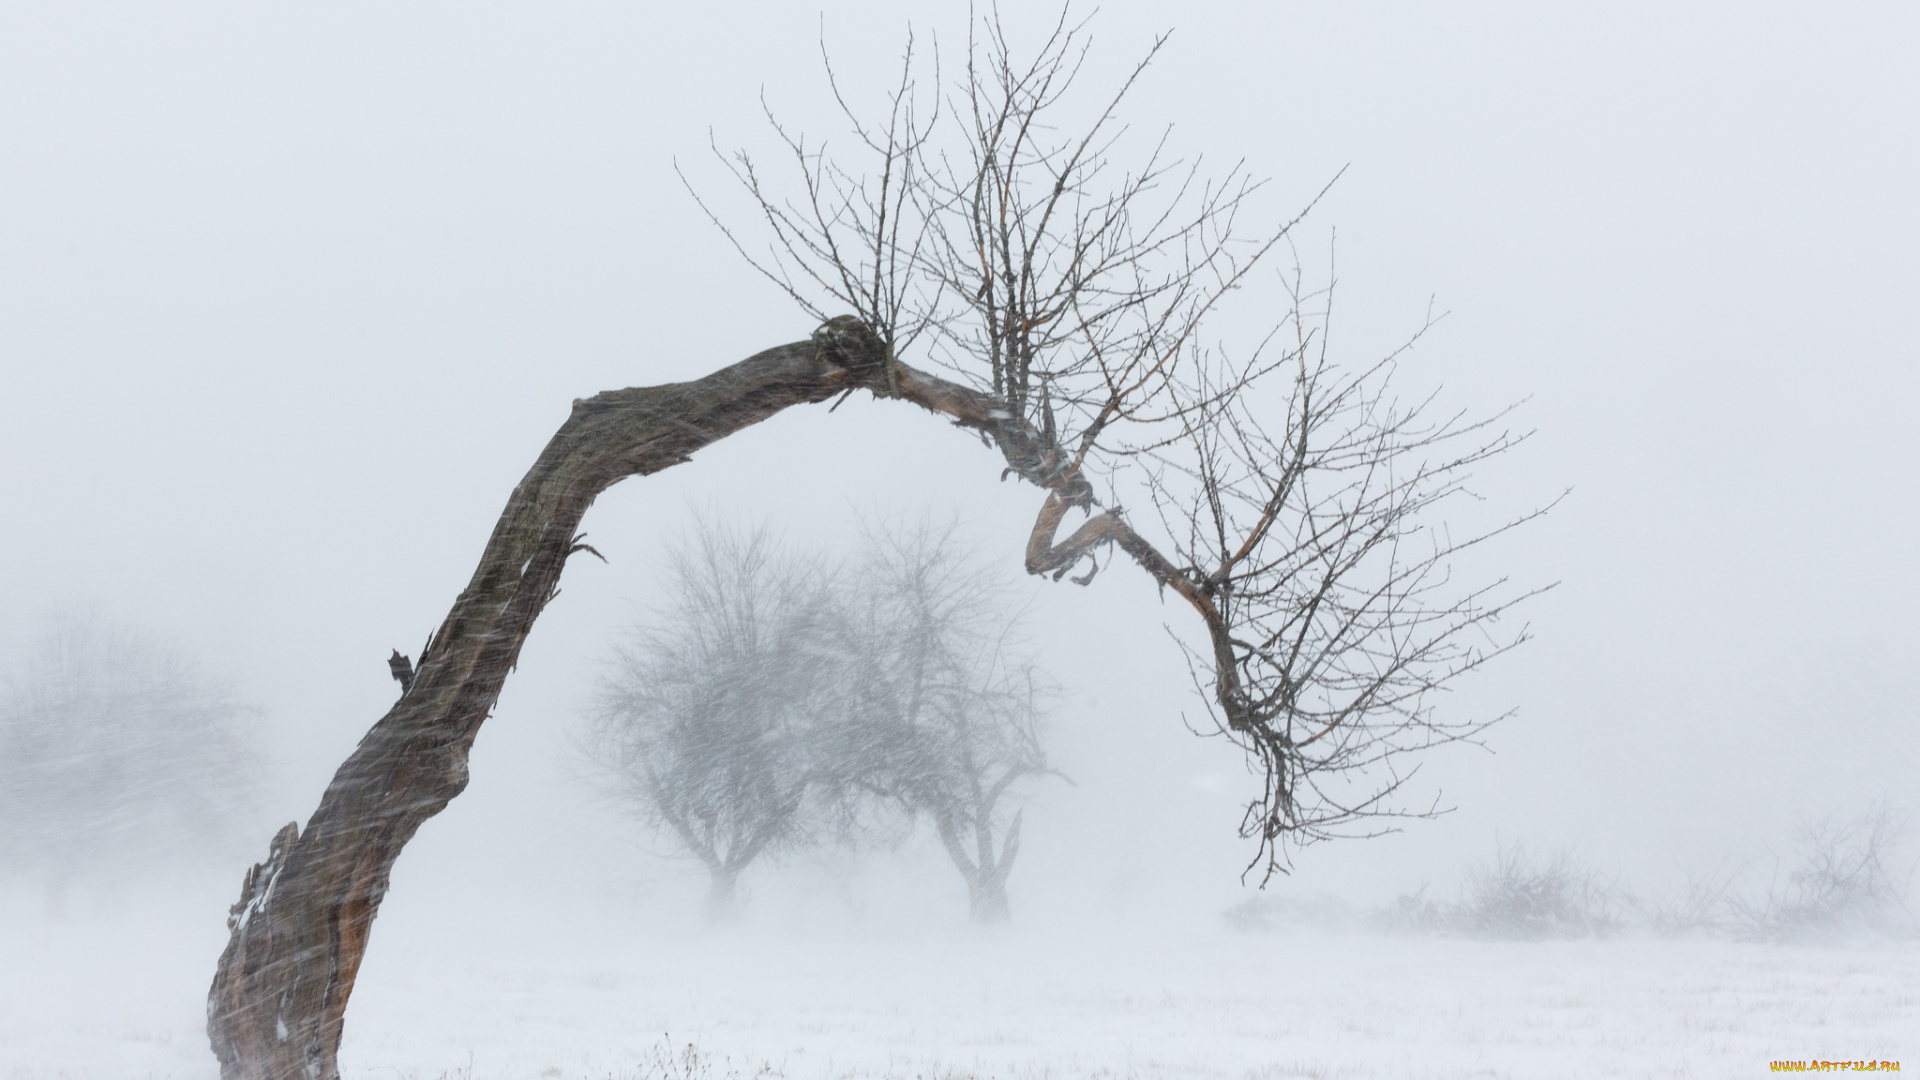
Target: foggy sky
column 289, row 300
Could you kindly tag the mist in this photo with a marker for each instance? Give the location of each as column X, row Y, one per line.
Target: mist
column 291, row 300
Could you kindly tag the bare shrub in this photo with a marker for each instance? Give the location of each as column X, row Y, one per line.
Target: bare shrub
column 1411, row 913
column 1267, row 914
column 1520, row 896
column 1848, row 882
column 1526, row 896
column 1700, row 909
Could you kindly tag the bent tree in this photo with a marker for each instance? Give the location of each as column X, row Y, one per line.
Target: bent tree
column 1052, row 299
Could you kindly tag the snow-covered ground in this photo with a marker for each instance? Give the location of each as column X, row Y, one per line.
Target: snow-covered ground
column 116, row 995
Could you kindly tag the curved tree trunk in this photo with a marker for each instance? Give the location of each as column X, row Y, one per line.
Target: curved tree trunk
column 299, row 930
column 280, row 992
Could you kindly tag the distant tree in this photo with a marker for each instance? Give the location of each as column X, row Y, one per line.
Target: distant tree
column 768, row 705
column 709, row 725
column 114, row 748
column 945, row 720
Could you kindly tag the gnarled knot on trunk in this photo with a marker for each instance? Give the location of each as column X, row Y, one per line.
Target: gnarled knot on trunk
column 1043, row 465
column 847, row 341
column 1074, row 488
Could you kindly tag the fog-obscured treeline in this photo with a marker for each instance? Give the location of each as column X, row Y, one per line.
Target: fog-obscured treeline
column 124, row 759
column 1840, row 878
column 120, row 755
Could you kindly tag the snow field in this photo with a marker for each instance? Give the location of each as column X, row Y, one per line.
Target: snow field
column 113, row 996
column 1209, row 1005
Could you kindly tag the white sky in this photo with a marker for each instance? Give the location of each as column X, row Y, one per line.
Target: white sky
column 289, row 299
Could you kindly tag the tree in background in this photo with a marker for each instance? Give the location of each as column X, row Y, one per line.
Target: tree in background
column 946, row 719
column 116, row 750
column 770, row 704
column 710, row 725
column 1053, row 288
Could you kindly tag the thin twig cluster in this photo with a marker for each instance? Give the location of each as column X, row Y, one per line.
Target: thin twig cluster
column 1008, row 232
